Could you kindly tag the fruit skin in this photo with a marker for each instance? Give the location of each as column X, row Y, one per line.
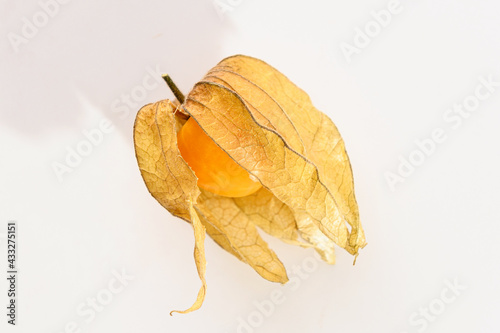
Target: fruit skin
column 215, row 170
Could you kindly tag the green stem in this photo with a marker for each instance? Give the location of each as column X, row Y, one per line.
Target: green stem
column 177, row 93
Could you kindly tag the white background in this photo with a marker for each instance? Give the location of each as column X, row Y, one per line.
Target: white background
column 440, row 224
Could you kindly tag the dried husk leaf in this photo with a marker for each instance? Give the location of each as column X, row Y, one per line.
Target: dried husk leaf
column 291, row 177
column 271, row 215
column 199, row 258
column 167, row 176
column 279, row 105
column 173, row 184
column 223, row 214
column 161, row 166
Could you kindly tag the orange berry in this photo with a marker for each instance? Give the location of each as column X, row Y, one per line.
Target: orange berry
column 216, row 171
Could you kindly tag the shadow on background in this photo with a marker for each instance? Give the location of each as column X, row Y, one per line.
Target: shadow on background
column 95, row 54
